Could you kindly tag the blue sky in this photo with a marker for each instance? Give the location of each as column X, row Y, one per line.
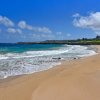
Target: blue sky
column 37, row 20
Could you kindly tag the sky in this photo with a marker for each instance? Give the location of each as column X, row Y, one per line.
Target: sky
column 39, row 20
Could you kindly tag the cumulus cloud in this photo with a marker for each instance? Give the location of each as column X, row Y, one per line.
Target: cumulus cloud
column 24, row 25
column 12, row 30
column 76, row 15
column 91, row 21
column 6, row 21
column 42, row 29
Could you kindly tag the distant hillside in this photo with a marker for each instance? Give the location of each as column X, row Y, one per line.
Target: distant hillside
column 84, row 41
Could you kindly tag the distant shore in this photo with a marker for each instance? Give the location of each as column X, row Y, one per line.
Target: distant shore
column 72, row 80
column 83, row 41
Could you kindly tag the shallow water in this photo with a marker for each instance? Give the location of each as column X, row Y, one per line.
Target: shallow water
column 18, row 59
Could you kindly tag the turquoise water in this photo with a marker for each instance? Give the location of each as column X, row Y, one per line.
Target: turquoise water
column 19, row 48
column 18, row 59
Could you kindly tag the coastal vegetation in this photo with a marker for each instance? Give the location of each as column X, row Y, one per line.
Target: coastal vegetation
column 83, row 41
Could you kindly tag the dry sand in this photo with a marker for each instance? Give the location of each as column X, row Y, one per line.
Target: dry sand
column 73, row 80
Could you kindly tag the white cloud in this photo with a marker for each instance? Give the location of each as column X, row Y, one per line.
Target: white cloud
column 6, row 21
column 24, row 25
column 42, row 29
column 76, row 15
column 12, row 30
column 91, row 21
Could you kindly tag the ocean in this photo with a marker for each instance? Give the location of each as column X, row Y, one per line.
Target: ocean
column 19, row 59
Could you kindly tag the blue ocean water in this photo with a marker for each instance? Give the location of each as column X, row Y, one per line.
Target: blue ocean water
column 19, row 48
column 18, row 59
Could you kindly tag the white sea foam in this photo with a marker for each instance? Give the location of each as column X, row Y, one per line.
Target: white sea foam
column 81, row 50
column 12, row 64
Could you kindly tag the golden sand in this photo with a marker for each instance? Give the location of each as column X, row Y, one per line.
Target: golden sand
column 73, row 80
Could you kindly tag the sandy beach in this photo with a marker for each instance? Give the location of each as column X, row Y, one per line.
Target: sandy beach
column 73, row 80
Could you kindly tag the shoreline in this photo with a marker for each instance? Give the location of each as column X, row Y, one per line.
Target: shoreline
column 10, row 78
column 28, row 87
column 90, row 47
